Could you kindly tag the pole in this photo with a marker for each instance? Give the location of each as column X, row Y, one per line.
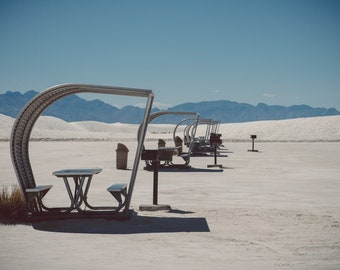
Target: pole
column 155, row 164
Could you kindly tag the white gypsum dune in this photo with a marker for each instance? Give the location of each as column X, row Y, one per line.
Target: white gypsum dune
column 325, row 128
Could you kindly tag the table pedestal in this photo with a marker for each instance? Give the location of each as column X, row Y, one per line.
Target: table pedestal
column 215, row 159
column 155, row 206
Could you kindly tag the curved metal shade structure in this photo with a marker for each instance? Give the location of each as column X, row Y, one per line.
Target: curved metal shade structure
column 25, row 121
column 212, row 127
column 157, row 114
column 192, row 121
column 160, row 113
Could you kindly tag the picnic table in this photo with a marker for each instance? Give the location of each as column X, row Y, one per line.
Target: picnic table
column 78, row 198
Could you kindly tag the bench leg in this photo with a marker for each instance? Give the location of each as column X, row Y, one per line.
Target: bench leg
column 34, row 201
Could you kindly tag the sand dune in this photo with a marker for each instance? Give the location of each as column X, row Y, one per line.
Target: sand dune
column 325, row 128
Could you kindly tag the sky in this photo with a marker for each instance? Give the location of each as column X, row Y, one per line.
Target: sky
column 279, row 52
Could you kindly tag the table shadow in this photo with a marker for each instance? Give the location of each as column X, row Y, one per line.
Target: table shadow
column 136, row 225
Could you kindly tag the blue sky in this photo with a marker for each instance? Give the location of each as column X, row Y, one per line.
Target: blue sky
column 278, row 52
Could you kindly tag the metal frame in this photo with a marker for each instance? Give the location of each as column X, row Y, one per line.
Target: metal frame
column 202, row 145
column 160, row 113
column 23, row 125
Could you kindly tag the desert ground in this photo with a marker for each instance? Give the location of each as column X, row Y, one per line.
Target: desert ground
column 278, row 208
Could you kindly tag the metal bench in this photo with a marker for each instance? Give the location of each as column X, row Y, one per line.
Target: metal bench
column 117, row 190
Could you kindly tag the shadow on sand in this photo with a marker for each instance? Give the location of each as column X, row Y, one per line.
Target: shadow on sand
column 191, row 169
column 137, row 224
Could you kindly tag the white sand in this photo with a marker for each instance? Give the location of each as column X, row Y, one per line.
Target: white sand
column 276, row 209
column 318, row 129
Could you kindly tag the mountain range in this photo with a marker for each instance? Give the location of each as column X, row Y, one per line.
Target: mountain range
column 74, row 108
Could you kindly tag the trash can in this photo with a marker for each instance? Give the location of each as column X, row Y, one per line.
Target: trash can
column 161, row 143
column 121, row 156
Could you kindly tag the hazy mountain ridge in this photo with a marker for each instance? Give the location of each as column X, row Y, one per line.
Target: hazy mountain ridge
column 73, row 108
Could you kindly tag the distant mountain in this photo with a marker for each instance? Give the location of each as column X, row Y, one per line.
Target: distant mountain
column 11, row 103
column 234, row 112
column 73, row 108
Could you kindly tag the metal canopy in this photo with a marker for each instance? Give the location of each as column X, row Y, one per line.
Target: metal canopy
column 25, row 121
column 160, row 113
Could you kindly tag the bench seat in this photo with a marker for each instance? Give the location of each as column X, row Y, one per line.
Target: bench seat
column 38, row 190
column 36, row 194
column 117, row 190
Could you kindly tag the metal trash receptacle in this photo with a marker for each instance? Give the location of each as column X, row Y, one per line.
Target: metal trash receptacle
column 121, row 156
